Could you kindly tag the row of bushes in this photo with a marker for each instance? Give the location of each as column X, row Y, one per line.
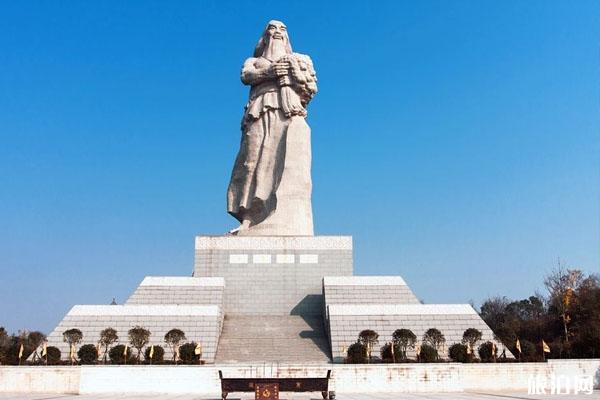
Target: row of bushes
column 430, row 349
column 138, row 337
column 88, row 354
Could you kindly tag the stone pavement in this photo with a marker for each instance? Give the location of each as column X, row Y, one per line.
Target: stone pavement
column 313, row 396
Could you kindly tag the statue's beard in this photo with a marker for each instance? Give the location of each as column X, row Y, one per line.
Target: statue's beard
column 275, row 49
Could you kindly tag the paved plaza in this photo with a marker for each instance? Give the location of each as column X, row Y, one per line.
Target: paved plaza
column 313, row 396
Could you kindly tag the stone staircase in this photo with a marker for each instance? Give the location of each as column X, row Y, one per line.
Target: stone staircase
column 268, row 338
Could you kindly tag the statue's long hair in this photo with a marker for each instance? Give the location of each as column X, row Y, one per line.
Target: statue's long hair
column 263, row 42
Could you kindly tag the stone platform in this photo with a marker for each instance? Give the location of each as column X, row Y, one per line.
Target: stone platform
column 159, row 304
column 201, row 323
column 273, row 299
column 386, row 303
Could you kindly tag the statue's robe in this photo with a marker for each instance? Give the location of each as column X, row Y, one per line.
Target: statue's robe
column 270, row 184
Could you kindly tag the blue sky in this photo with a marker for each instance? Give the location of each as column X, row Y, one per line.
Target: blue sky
column 458, row 142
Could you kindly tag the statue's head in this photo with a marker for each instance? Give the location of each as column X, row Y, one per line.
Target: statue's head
column 274, row 34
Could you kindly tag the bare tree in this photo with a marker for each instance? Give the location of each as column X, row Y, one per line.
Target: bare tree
column 561, row 285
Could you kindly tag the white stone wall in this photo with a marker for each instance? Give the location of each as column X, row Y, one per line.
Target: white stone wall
column 179, row 290
column 367, row 290
column 201, row 323
column 40, row 379
column 346, row 378
column 346, row 321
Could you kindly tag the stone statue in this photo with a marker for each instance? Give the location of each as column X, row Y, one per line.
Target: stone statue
column 270, row 187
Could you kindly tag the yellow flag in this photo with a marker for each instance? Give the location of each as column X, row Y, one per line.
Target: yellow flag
column 21, row 349
column 45, row 349
column 545, row 347
column 198, row 349
column 518, row 345
column 125, row 350
column 151, row 351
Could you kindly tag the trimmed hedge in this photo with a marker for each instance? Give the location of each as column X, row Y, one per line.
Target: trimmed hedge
column 357, row 354
column 88, row 354
column 428, row 354
column 157, row 357
column 187, row 353
column 117, row 357
column 386, row 353
column 458, row 353
column 486, row 352
column 54, row 355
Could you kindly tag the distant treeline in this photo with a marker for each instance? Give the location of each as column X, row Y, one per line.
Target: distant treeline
column 567, row 318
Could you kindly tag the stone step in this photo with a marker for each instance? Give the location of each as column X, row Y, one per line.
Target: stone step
column 273, row 338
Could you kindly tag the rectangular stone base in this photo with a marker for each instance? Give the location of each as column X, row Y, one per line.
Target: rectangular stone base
column 200, row 323
column 346, row 321
column 273, row 275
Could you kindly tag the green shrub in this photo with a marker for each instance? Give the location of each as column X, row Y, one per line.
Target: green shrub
column 428, row 354
column 157, row 357
column 528, row 351
column 357, row 353
column 53, row 354
column 486, row 352
column 117, row 357
column 187, row 353
column 458, row 353
column 88, row 354
column 387, row 356
column 12, row 353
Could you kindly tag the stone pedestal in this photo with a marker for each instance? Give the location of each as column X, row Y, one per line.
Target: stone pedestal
column 273, row 299
column 386, row 303
column 201, row 324
column 273, row 275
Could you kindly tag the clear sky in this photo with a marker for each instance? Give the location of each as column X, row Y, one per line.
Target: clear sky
column 457, row 142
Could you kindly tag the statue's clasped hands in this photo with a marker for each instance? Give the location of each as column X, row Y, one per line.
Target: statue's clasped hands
column 281, row 67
